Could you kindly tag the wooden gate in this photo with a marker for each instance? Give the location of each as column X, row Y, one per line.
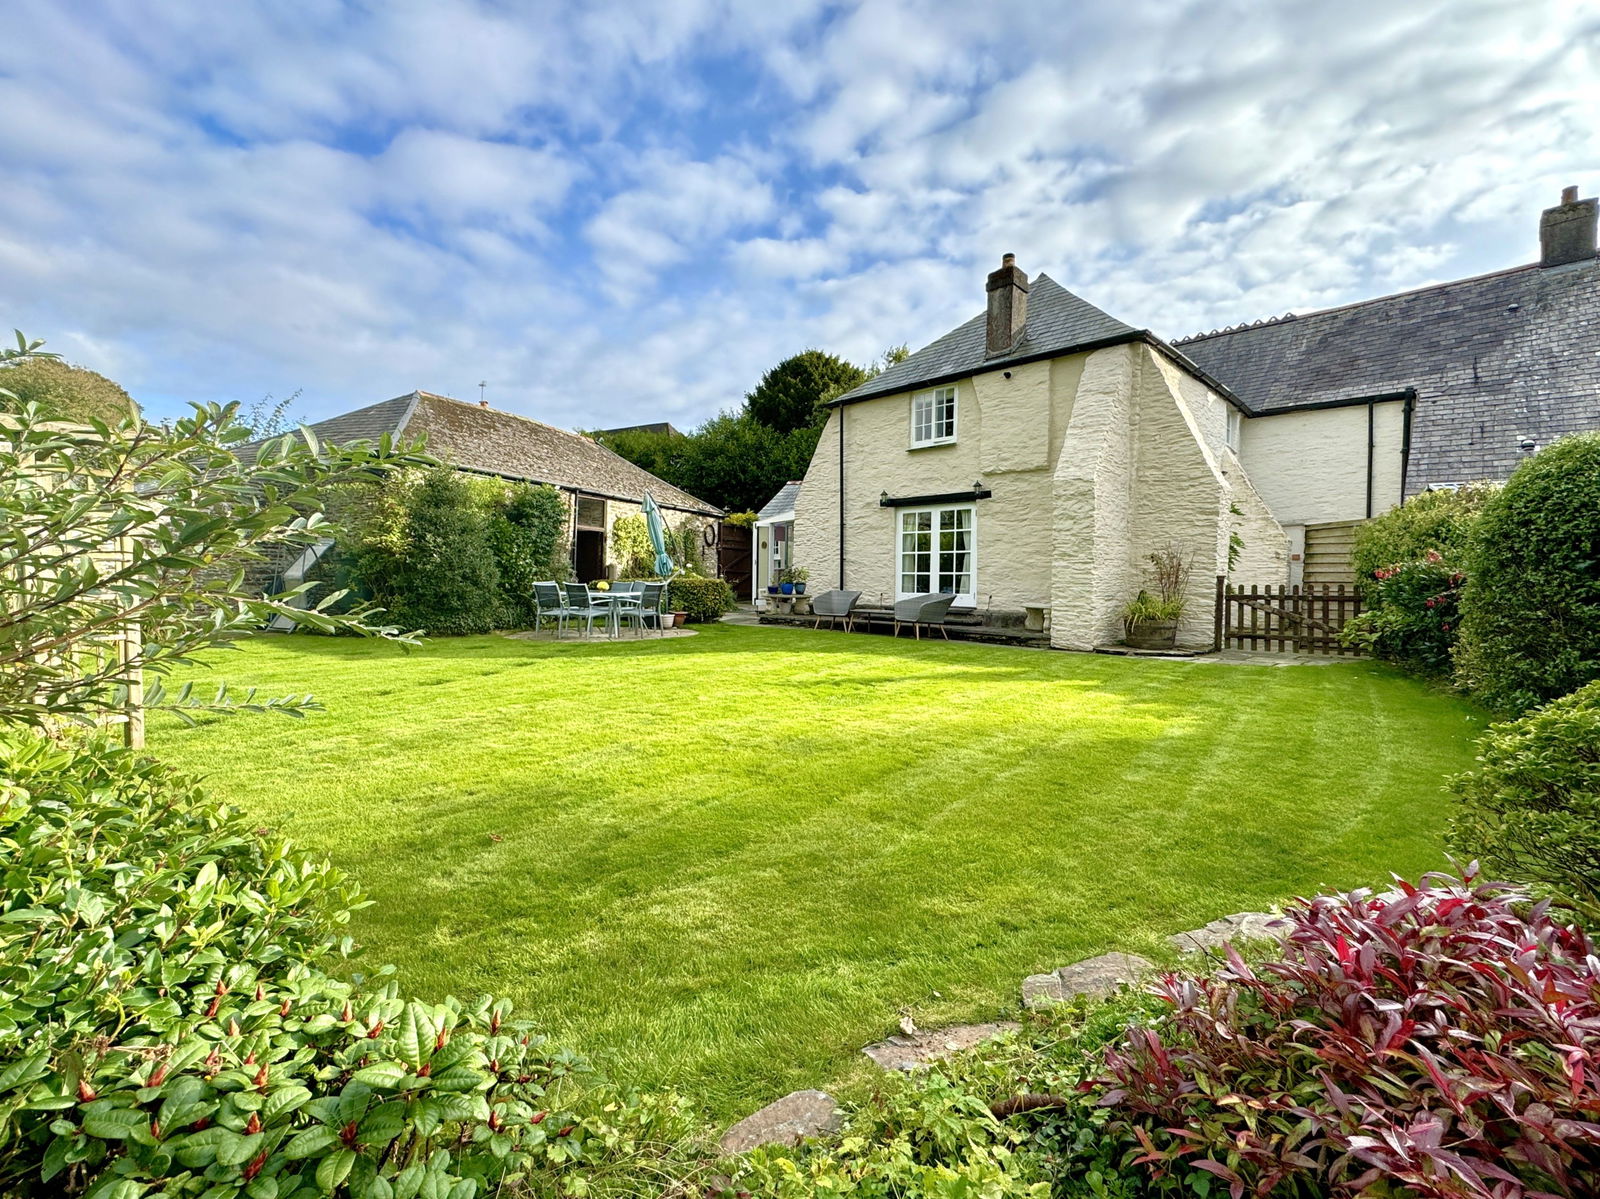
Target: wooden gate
column 1285, row 620
column 734, row 558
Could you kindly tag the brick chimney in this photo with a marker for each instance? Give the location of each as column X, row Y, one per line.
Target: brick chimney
column 1566, row 232
column 1008, row 306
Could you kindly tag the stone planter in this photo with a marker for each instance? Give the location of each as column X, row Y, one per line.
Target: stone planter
column 1151, row 634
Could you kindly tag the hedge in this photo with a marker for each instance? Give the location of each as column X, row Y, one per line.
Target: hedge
column 1530, row 611
column 700, row 598
column 1531, row 808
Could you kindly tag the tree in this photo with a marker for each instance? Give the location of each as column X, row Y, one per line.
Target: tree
column 63, row 392
column 268, row 417
column 790, row 395
column 447, row 581
column 736, row 462
column 124, row 550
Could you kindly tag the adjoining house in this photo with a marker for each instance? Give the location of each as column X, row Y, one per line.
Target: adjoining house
column 1035, row 455
column 600, row 486
column 773, row 548
column 1442, row 385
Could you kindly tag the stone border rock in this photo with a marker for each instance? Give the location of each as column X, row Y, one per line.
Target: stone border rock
column 1237, row 928
column 922, row 1047
column 788, row 1121
column 1098, row 978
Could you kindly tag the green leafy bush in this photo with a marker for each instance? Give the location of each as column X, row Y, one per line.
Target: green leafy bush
column 700, row 598
column 446, row 580
column 1531, row 808
column 630, row 545
column 1441, row 521
column 167, row 1022
column 1530, row 612
column 525, row 533
column 1412, row 616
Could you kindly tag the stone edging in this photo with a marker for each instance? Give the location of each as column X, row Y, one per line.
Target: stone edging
column 803, row 1114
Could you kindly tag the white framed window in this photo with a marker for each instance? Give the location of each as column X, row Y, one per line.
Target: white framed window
column 937, row 553
column 933, row 417
column 1235, row 428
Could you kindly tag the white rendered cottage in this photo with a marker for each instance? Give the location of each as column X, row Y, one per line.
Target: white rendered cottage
column 1036, row 455
column 1033, row 457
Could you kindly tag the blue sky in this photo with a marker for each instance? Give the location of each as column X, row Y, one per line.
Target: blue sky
column 616, row 212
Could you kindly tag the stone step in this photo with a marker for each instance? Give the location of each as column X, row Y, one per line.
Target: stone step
column 920, row 1048
column 1235, row 929
column 1097, row 978
column 786, row 1121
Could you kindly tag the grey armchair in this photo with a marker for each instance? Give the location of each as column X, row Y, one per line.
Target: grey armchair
column 921, row 610
column 836, row 606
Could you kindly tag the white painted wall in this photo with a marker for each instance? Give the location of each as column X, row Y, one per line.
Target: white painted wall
column 1311, row 467
column 1094, row 461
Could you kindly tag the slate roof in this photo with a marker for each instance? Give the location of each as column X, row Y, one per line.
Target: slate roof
column 502, row 443
column 1494, row 360
column 1058, row 323
column 783, row 502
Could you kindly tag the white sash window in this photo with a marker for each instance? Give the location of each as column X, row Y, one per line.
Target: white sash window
column 933, row 417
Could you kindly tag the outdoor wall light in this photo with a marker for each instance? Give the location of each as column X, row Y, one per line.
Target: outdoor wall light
column 883, row 497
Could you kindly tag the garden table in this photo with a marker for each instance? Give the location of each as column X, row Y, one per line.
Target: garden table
column 614, row 602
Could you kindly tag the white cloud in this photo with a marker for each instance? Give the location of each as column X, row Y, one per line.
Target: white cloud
column 626, row 211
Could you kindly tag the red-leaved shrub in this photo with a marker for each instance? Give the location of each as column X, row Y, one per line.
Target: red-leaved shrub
column 1430, row 1042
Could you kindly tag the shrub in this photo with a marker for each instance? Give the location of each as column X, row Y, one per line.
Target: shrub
column 1531, row 809
column 524, row 530
column 1434, row 1043
column 1412, row 616
column 1530, row 613
column 167, row 1022
column 630, row 544
column 701, row 599
column 64, row 392
column 1441, row 521
column 446, row 580
column 743, row 520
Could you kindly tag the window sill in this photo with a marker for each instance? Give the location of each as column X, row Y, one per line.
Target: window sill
column 929, row 445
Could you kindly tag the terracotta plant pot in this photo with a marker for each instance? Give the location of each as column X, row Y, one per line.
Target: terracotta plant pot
column 679, row 619
column 1151, row 634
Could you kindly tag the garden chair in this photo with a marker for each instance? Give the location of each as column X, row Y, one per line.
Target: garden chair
column 647, row 609
column 548, row 604
column 922, row 610
column 836, row 606
column 581, row 605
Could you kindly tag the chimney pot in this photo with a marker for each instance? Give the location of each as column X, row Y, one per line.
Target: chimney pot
column 1567, row 231
column 483, row 403
column 1008, row 307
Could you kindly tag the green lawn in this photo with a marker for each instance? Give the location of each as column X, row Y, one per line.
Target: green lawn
column 727, row 862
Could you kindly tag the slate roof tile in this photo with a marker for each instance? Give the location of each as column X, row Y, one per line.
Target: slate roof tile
column 1057, row 323
column 1494, row 360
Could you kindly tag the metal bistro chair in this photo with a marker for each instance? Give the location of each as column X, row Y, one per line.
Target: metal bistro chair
column 582, row 606
column 922, row 610
column 548, row 604
column 835, row 606
column 648, row 608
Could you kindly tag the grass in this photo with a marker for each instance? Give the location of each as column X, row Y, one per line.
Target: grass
column 726, row 863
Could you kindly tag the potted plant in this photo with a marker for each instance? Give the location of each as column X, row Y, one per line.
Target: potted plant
column 772, row 589
column 798, row 576
column 1150, row 619
column 786, row 580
